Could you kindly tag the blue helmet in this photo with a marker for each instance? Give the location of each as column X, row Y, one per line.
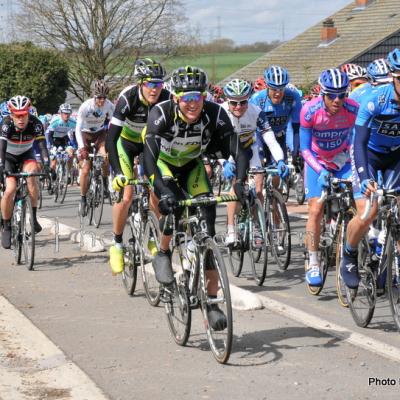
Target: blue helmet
column 4, row 111
column 393, row 60
column 333, row 81
column 378, row 71
column 276, row 77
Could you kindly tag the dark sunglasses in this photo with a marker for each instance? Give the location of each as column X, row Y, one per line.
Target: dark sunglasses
column 153, row 85
column 332, row 96
column 187, row 98
column 235, row 103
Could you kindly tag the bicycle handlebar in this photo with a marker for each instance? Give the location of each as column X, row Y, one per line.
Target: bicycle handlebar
column 333, row 182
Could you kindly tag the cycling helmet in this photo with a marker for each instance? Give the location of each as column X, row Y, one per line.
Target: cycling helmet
column 4, row 111
column 147, row 68
column 65, row 108
column 19, row 105
column 354, row 71
column 216, row 91
column 259, row 84
column 393, row 60
column 276, row 77
column 188, row 79
column 237, row 88
column 101, row 88
column 315, row 90
column 378, row 71
column 333, row 81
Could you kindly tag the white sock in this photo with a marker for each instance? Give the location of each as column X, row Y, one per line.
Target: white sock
column 118, row 245
column 231, row 229
column 313, row 256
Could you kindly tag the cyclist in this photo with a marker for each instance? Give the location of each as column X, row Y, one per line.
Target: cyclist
column 281, row 104
column 92, row 115
column 247, row 119
column 18, row 132
column 377, row 148
column 325, row 133
column 356, row 74
column 179, row 132
column 125, row 142
column 259, row 84
column 60, row 133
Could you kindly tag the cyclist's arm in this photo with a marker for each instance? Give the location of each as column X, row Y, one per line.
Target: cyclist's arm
column 78, row 130
column 362, row 134
column 305, row 148
column 3, row 148
column 49, row 134
column 41, row 141
column 296, row 138
column 265, row 131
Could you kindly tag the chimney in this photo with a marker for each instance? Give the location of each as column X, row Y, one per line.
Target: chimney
column 328, row 31
column 362, row 3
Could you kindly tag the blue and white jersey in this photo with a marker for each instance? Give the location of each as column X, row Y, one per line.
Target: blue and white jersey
column 361, row 92
column 279, row 114
column 60, row 129
column 381, row 113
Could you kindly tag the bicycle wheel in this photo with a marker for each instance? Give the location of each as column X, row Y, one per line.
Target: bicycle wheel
column 27, row 234
column 98, row 201
column 258, row 243
column 55, row 183
column 40, row 199
column 300, row 191
column 393, row 285
column 213, row 264
column 131, row 262
column 278, row 226
column 177, row 305
column 285, row 190
column 363, row 299
column 236, row 251
column 63, row 183
column 16, row 236
column 150, row 244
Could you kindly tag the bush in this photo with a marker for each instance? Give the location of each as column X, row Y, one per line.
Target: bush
column 38, row 73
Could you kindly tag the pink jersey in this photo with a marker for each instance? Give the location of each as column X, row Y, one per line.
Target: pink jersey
column 325, row 138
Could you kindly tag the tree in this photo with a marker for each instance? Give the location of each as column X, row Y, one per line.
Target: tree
column 40, row 74
column 102, row 38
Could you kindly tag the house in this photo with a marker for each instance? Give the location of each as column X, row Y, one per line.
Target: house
column 359, row 33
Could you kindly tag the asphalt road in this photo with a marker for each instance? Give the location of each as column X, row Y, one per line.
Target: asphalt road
column 298, row 346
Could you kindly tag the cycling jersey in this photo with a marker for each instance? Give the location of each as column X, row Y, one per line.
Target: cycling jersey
column 377, row 127
column 16, row 142
column 127, row 123
column 174, row 141
column 325, row 138
column 91, row 118
column 359, row 93
column 58, row 129
column 280, row 114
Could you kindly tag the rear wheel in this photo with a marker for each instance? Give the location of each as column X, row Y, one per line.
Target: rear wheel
column 299, row 189
column 131, row 260
column 219, row 338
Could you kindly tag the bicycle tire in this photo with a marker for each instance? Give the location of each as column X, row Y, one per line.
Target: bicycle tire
column 259, row 268
column 220, row 341
column 151, row 234
column 63, row 183
column 98, row 201
column 236, row 252
column 393, row 287
column 285, row 190
column 28, row 233
column 40, row 197
column 281, row 238
column 300, row 191
column 363, row 299
column 129, row 273
column 16, row 236
column 54, row 184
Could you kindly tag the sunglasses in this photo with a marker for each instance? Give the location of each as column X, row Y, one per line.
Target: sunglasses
column 235, row 103
column 187, row 98
column 153, row 85
column 332, row 96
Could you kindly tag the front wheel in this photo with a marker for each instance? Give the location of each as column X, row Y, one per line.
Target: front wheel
column 213, row 272
column 98, row 201
column 131, row 255
column 300, row 191
column 28, row 234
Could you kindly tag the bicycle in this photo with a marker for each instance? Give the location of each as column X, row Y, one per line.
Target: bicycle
column 338, row 211
column 142, row 245
column 189, row 290
column 379, row 272
column 22, row 221
column 251, row 234
column 277, row 221
column 63, row 174
column 95, row 194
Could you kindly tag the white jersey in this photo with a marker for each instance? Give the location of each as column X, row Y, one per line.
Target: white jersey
column 91, row 118
column 246, row 127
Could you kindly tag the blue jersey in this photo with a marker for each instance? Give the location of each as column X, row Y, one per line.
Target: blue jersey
column 279, row 114
column 381, row 114
column 58, row 129
column 361, row 92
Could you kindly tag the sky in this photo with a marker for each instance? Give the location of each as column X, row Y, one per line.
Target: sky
column 249, row 21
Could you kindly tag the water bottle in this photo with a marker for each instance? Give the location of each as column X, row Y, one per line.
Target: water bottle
column 152, row 246
column 380, row 242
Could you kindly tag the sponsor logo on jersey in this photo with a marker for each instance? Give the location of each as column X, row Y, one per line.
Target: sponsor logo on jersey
column 391, row 129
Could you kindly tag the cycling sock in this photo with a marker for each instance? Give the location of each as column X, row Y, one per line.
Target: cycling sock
column 313, row 256
column 7, row 224
column 231, row 229
column 83, row 197
column 351, row 251
column 34, row 210
column 118, row 238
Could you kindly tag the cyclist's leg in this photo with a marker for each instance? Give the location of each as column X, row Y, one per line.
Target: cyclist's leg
column 7, row 201
column 101, row 149
column 84, row 165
